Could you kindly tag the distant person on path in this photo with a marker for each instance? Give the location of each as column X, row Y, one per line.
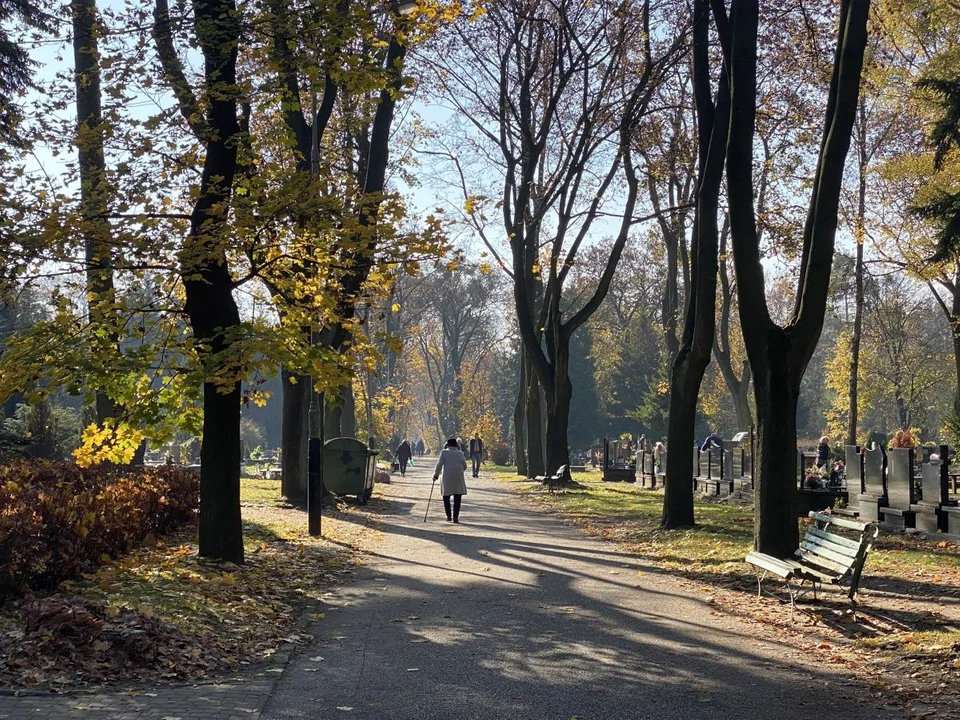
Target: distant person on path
column 452, row 464
column 459, row 443
column 404, row 453
column 476, row 453
column 420, row 447
column 823, row 452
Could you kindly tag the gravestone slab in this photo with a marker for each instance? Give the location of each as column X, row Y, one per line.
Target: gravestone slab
column 874, row 494
column 900, row 492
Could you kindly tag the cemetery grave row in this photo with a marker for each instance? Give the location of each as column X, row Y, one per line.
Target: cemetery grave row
column 901, row 487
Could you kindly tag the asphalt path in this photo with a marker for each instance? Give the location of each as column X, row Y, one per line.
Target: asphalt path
column 516, row 614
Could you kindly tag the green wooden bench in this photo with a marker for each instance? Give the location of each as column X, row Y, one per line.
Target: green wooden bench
column 824, row 556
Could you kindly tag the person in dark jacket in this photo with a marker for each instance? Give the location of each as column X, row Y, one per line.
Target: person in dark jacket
column 404, row 453
column 420, row 447
column 476, row 453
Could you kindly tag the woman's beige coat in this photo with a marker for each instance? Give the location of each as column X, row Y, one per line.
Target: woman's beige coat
column 453, row 464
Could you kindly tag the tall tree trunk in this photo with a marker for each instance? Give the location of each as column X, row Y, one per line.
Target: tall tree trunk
column 700, row 316
column 558, row 420
column 520, row 420
column 534, row 416
column 779, row 354
column 221, row 529
column 207, row 282
column 293, row 449
column 860, row 237
column 94, row 188
column 776, row 393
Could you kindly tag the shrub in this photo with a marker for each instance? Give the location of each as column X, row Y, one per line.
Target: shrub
column 58, row 520
column 500, row 453
column 908, row 438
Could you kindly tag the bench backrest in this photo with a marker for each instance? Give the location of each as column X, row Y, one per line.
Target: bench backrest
column 836, row 554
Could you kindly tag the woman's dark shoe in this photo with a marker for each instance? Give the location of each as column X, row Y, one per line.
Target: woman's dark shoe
column 449, row 519
column 456, row 520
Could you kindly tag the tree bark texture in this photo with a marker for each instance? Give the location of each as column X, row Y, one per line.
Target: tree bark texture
column 94, row 188
column 207, row 282
column 779, row 354
column 700, row 314
column 520, row 421
column 739, row 387
column 293, row 448
column 533, row 412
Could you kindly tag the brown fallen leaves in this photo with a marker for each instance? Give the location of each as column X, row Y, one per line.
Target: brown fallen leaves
column 69, row 641
column 161, row 614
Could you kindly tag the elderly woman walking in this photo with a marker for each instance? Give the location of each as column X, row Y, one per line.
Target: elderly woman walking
column 453, row 464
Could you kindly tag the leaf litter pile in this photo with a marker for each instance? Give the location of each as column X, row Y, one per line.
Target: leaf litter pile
column 902, row 645
column 161, row 614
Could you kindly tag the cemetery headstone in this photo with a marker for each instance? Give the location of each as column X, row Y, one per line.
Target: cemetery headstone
column 874, row 495
column 900, row 492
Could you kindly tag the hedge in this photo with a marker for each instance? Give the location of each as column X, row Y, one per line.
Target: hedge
column 58, row 520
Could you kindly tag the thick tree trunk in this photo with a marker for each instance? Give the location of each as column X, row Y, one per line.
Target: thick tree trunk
column 293, row 446
column 534, row 417
column 558, row 420
column 207, row 282
column 779, row 355
column 776, row 390
column 221, row 531
column 520, row 419
column 678, row 484
column 700, row 316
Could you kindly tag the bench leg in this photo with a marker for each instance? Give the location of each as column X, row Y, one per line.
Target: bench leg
column 760, row 577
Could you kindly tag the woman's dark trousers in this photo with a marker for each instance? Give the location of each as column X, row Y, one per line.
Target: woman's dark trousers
column 456, row 505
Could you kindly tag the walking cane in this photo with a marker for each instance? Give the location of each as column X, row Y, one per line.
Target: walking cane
column 429, row 499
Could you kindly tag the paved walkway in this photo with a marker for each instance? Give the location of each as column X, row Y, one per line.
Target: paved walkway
column 510, row 614
column 238, row 700
column 515, row 614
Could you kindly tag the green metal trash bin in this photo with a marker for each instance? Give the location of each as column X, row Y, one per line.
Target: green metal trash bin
column 349, row 467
